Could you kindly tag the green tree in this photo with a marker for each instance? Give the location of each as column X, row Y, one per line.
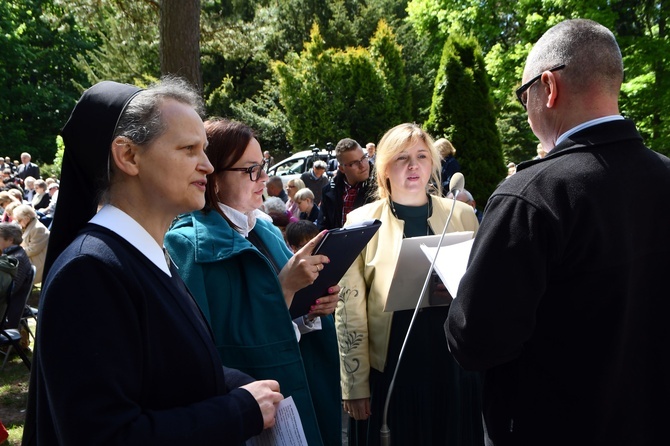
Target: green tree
column 387, row 54
column 463, row 112
column 38, row 40
column 329, row 94
column 127, row 40
column 643, row 36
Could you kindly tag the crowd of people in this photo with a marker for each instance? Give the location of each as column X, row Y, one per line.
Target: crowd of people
column 196, row 343
column 27, row 203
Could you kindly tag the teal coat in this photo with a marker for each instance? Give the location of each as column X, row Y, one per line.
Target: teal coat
column 240, row 295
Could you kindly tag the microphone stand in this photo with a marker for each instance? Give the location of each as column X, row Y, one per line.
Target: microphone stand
column 385, row 432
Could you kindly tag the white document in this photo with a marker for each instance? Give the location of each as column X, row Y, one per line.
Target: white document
column 451, row 263
column 287, row 430
column 412, row 268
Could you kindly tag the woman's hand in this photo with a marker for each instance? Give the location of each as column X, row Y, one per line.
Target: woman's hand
column 357, row 409
column 325, row 305
column 302, row 269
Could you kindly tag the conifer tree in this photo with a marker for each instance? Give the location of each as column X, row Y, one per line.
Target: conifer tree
column 462, row 111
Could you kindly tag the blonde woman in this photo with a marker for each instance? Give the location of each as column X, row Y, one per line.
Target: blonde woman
column 449, row 164
column 5, row 200
column 293, row 186
column 434, row 401
column 35, row 237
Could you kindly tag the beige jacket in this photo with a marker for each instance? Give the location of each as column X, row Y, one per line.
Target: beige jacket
column 363, row 328
column 35, row 241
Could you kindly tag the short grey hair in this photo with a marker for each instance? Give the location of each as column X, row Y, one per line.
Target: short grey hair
column 275, row 180
column 141, row 121
column 320, row 164
column 274, row 204
column 589, row 51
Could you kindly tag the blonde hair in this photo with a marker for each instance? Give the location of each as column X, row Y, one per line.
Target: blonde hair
column 445, row 147
column 6, row 198
column 297, row 182
column 16, row 194
column 9, row 209
column 24, row 211
column 303, row 194
column 395, row 141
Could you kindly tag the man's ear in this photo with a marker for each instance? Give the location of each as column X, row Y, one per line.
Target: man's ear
column 124, row 153
column 550, row 84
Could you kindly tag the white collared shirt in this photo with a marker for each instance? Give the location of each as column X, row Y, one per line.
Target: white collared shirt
column 245, row 222
column 129, row 229
column 585, row 125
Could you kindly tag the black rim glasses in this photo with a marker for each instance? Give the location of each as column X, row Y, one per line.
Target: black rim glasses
column 521, row 94
column 255, row 170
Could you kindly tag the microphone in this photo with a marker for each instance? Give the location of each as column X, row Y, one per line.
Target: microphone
column 456, row 185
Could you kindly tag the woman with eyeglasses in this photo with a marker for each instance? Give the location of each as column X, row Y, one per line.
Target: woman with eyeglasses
column 434, row 402
column 241, row 272
column 293, row 186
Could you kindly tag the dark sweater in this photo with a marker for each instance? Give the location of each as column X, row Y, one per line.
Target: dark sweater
column 564, row 302
column 125, row 357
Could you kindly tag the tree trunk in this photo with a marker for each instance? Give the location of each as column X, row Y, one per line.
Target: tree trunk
column 180, row 39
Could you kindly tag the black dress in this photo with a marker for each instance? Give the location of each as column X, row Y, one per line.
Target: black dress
column 434, row 401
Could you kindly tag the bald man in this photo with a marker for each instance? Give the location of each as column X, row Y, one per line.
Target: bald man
column 575, row 349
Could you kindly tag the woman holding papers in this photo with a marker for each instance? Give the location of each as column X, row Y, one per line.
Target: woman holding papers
column 243, row 275
column 434, row 402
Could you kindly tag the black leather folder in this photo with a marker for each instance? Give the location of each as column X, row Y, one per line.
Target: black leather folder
column 341, row 246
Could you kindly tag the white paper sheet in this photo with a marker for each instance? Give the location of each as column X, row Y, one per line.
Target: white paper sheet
column 412, row 268
column 451, row 263
column 287, row 430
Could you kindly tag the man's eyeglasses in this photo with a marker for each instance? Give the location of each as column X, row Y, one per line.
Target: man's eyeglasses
column 522, row 91
column 357, row 164
column 255, row 170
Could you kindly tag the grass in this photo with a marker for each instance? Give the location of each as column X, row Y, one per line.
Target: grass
column 14, row 398
column 14, row 390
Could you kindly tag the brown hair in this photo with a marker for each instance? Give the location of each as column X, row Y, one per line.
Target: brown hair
column 228, row 140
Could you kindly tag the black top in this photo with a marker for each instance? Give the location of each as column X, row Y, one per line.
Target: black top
column 125, row 357
column 564, row 299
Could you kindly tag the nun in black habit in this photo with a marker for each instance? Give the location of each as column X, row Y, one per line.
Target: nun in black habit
column 123, row 355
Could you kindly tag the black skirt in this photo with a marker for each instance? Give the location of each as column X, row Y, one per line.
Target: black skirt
column 434, row 401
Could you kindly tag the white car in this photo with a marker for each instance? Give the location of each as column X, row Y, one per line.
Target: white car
column 301, row 162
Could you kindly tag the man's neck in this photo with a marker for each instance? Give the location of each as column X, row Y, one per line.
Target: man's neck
column 351, row 183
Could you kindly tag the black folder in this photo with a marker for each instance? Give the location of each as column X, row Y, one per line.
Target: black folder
column 341, row 246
